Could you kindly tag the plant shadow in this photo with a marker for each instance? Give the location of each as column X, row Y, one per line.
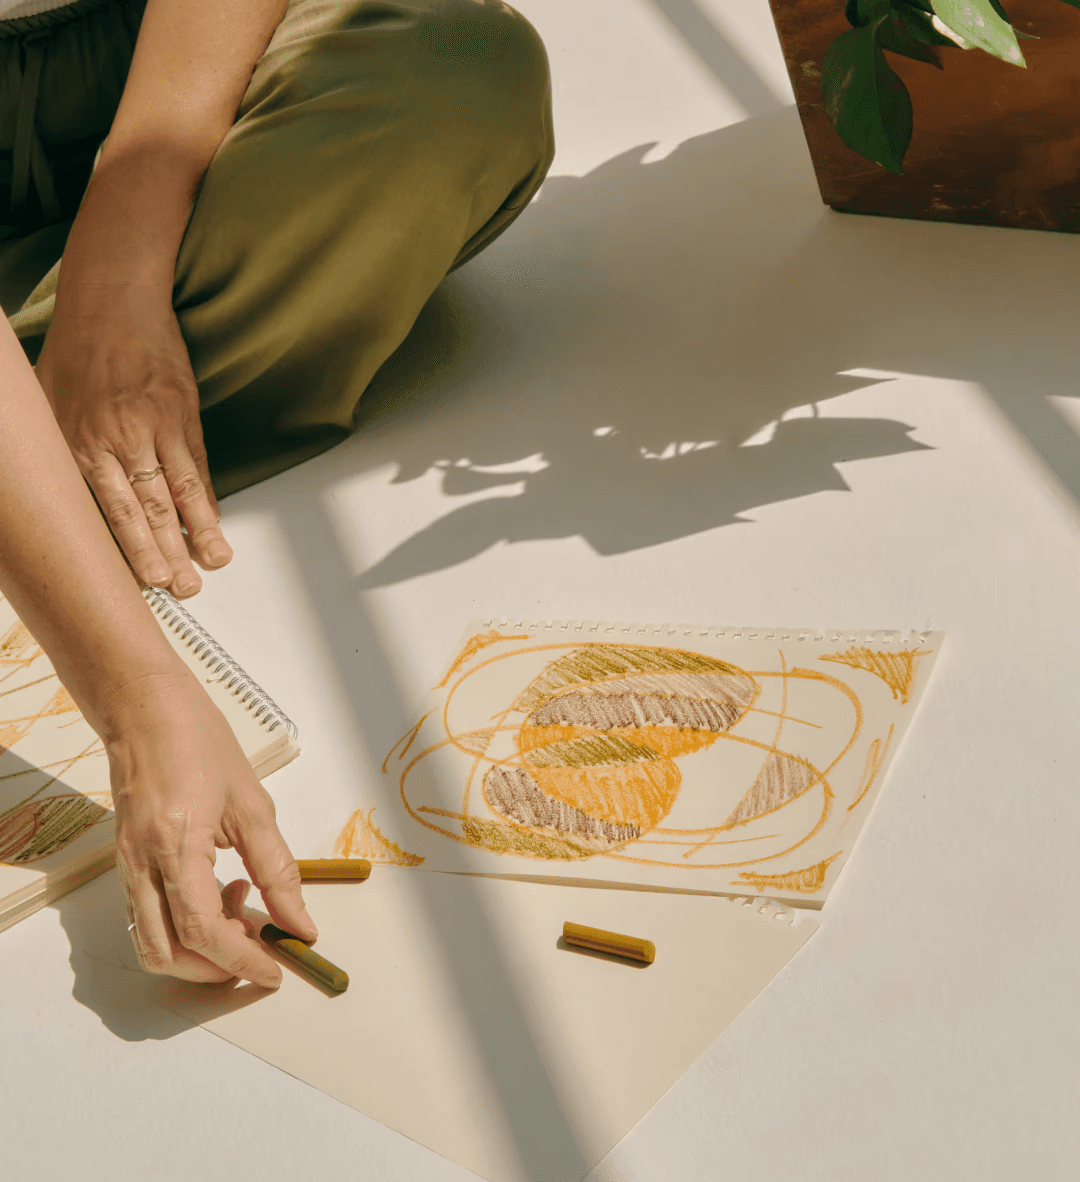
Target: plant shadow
column 601, row 370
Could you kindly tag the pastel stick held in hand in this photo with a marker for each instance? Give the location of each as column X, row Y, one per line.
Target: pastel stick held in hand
column 306, row 959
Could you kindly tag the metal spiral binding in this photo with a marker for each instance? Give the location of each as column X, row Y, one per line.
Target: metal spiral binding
column 217, row 660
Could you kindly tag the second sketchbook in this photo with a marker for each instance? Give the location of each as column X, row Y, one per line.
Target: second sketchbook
column 56, row 819
column 702, row 759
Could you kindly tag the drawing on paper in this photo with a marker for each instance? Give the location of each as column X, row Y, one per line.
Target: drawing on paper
column 810, row 878
column 897, row 670
column 42, row 739
column 665, row 760
column 361, row 839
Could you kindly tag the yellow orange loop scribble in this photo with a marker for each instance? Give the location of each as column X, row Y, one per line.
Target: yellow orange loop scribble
column 499, row 719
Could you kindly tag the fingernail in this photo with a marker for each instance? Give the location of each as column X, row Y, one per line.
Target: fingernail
column 219, row 552
column 160, row 576
column 187, row 586
column 311, row 923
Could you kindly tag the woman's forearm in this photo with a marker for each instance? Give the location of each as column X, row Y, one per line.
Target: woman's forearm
column 59, row 566
column 192, row 63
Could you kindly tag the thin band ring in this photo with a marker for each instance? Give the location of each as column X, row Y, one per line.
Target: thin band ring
column 146, row 474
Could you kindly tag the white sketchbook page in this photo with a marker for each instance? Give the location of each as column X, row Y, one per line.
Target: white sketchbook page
column 254, row 738
column 54, row 775
column 469, row 1029
column 742, row 761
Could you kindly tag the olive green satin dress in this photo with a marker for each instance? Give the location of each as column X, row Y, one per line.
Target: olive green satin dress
column 378, row 146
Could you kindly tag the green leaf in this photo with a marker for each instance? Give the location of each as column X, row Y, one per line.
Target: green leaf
column 978, row 23
column 919, row 25
column 1005, row 17
column 864, row 12
column 1074, row 3
column 894, row 36
column 865, row 101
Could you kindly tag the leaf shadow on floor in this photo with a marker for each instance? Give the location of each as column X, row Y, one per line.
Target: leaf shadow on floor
column 612, row 355
column 628, row 356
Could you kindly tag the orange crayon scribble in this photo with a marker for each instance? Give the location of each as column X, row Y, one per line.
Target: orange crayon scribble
column 594, row 770
column 669, row 742
column 361, row 838
column 15, row 641
column 16, row 729
column 806, row 881
column 408, row 739
column 18, row 689
column 630, row 794
column 472, row 647
column 875, row 757
column 897, row 670
column 785, row 717
column 18, row 648
column 60, row 703
column 57, row 766
column 475, row 742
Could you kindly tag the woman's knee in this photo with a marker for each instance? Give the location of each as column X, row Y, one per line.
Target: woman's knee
column 485, row 68
column 484, row 34
column 454, row 54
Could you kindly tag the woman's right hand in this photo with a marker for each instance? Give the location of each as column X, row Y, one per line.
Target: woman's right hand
column 182, row 789
column 116, row 372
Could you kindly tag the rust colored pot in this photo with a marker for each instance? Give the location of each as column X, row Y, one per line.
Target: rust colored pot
column 993, row 144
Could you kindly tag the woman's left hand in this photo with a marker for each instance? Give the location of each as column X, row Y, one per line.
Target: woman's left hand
column 182, row 790
column 116, row 372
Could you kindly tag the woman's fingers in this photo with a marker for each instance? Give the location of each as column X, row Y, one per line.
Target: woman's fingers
column 156, row 943
column 273, row 870
column 197, row 450
column 127, row 520
column 203, row 928
column 233, row 898
column 189, row 495
column 155, row 497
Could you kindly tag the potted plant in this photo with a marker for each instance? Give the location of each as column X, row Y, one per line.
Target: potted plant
column 954, row 110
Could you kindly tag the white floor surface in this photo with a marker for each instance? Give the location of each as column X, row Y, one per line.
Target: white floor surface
column 679, row 389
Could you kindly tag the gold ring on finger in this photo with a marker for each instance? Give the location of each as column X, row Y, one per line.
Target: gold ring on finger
column 146, row 474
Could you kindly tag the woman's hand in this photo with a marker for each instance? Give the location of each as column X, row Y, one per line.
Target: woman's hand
column 115, row 369
column 182, row 789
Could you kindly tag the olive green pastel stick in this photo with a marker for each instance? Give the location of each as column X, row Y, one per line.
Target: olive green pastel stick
column 318, row 968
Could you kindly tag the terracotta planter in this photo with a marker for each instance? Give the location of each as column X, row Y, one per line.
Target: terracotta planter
column 993, row 144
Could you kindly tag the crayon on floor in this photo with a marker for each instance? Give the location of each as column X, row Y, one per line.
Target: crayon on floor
column 600, row 941
column 306, row 959
column 352, row 869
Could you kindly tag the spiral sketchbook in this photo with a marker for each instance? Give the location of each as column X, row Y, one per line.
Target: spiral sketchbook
column 56, row 819
column 724, row 760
